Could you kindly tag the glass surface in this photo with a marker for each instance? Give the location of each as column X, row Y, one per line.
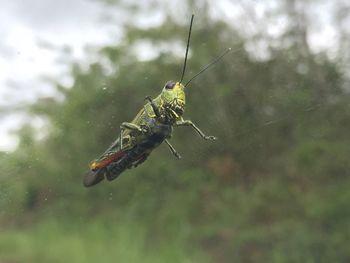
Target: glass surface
column 274, row 186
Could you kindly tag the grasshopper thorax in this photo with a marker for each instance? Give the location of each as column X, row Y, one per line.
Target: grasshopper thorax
column 173, row 99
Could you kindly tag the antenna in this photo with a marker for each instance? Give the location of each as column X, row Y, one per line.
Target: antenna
column 188, row 45
column 208, row 65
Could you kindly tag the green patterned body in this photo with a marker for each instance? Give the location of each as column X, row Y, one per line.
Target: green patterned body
column 170, row 104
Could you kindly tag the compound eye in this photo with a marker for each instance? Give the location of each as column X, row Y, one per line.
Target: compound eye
column 170, row 84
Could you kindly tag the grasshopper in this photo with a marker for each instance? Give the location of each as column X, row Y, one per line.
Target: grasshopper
column 152, row 126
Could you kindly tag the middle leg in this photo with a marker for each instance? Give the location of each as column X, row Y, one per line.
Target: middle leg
column 172, row 149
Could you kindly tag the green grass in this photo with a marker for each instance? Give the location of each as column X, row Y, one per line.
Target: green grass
column 93, row 242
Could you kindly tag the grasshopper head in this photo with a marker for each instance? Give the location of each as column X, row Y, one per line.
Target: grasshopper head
column 173, row 97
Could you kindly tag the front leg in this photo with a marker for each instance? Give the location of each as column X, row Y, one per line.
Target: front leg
column 154, row 106
column 191, row 124
column 172, row 149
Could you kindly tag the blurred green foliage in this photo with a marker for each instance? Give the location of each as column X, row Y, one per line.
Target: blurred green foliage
column 274, row 188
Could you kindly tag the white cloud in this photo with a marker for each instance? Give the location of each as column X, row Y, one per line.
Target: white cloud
column 24, row 27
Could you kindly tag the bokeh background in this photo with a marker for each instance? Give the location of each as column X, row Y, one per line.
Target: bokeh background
column 273, row 188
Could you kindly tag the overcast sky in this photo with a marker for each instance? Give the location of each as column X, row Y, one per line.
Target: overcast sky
column 34, row 31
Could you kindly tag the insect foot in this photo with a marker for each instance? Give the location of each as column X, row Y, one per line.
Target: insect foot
column 178, row 156
column 211, row 138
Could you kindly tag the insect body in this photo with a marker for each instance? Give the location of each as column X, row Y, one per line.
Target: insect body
column 152, row 126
